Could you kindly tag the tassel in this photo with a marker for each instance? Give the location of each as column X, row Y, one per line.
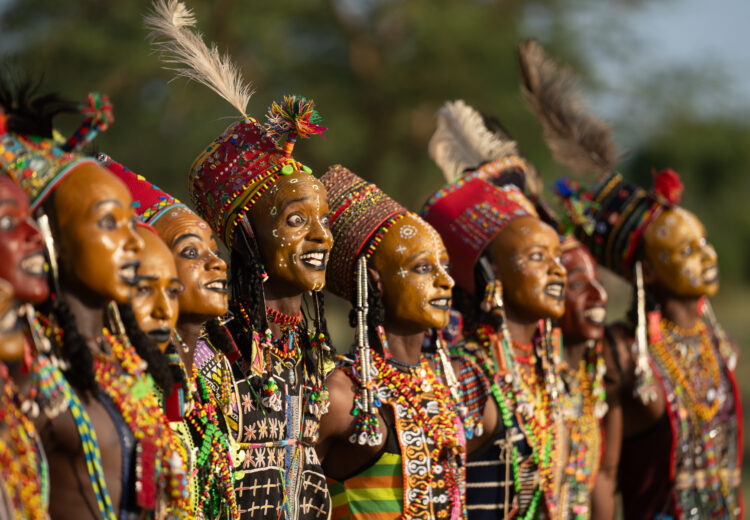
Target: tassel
column 294, row 118
column 98, row 111
column 644, row 378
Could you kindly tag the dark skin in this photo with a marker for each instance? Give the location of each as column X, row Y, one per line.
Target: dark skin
column 291, row 223
column 424, row 278
column 96, row 210
column 200, row 269
column 525, row 257
column 679, row 267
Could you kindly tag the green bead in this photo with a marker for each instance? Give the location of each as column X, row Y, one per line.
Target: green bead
column 287, row 169
column 306, row 169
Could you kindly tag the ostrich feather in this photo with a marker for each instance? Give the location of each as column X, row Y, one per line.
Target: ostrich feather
column 577, row 139
column 462, row 141
column 171, row 31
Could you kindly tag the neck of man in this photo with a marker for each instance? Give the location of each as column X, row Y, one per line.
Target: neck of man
column 522, row 328
column 189, row 329
column 287, row 304
column 573, row 351
column 404, row 346
column 89, row 312
column 683, row 312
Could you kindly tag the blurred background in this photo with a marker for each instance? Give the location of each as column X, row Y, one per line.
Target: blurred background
column 671, row 76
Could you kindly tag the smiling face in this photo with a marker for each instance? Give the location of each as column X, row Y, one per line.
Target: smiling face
column 585, row 298
column 97, row 238
column 412, row 264
column 291, row 225
column 11, row 331
column 156, row 296
column 21, row 245
column 199, row 267
column 683, row 261
column 525, row 256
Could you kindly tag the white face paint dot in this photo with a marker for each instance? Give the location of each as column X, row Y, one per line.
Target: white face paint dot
column 402, row 272
column 400, row 249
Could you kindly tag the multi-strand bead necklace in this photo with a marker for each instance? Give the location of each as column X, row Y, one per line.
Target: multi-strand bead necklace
column 537, row 404
column 124, row 381
column 20, row 458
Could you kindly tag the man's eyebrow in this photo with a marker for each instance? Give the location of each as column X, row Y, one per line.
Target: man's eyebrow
column 106, row 201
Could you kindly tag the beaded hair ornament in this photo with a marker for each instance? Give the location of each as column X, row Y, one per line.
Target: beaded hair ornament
column 231, row 174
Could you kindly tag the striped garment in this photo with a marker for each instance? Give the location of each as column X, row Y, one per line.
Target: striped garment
column 375, row 494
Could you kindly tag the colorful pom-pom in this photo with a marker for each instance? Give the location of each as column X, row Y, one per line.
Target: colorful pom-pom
column 294, row 118
column 667, row 186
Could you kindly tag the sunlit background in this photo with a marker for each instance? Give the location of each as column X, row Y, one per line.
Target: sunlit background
column 673, row 78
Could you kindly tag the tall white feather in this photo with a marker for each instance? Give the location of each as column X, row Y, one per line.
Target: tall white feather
column 462, row 141
column 171, row 31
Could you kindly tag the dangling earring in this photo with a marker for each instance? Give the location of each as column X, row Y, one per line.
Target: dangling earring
column 49, row 247
column 115, row 320
column 493, row 297
column 367, row 430
column 644, row 378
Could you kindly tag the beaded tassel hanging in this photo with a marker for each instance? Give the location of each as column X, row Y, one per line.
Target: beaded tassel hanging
column 367, row 430
column 644, row 377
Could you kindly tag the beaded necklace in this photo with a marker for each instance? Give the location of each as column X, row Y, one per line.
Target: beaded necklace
column 697, row 379
column 212, row 477
column 158, row 450
column 539, row 408
column 441, row 428
column 585, row 406
column 20, row 458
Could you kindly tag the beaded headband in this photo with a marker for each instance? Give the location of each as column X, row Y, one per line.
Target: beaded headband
column 621, row 213
column 468, row 214
column 360, row 215
column 149, row 201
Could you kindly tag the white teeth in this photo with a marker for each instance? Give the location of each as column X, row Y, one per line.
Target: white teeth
column 314, row 258
column 595, row 314
column 710, row 273
column 33, row 264
column 128, row 272
column 216, row 284
column 440, row 302
column 554, row 290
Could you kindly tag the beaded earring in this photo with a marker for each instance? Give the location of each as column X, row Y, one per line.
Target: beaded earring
column 49, row 248
column 644, row 377
column 366, row 402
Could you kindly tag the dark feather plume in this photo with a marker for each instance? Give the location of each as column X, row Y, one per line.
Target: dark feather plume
column 29, row 112
column 577, row 139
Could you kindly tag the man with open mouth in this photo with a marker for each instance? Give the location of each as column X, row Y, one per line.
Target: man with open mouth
column 394, row 409
column 509, row 283
column 272, row 214
column 673, row 398
column 110, row 450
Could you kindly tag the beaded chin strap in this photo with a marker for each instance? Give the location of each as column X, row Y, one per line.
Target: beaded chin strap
column 644, row 377
column 367, row 430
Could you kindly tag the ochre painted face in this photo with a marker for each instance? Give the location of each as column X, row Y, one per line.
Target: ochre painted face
column 156, row 297
column 98, row 243
column 683, row 261
column 291, row 225
column 11, row 331
column 199, row 267
column 585, row 298
column 22, row 261
column 526, row 259
column 413, row 266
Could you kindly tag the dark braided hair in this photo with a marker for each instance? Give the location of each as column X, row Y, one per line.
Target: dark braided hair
column 158, row 365
column 220, row 338
column 74, row 350
column 246, row 285
column 178, row 375
column 469, row 305
column 28, row 112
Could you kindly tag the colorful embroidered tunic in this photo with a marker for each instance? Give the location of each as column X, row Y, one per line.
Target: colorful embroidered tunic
column 429, row 488
column 704, row 458
column 277, row 472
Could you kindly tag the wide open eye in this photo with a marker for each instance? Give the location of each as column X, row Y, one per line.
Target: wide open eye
column 143, row 291
column 536, row 256
column 295, row 220
column 189, row 252
column 7, row 222
column 107, row 222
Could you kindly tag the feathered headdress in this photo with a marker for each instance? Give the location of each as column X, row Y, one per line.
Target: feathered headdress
column 462, row 142
column 172, row 32
column 576, row 139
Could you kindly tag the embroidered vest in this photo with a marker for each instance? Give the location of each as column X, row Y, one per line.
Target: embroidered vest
column 277, row 472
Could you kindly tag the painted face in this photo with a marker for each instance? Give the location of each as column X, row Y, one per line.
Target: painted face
column 199, row 267
column 683, row 261
column 156, row 297
column 585, row 298
column 98, row 242
column 526, row 259
column 21, row 245
column 291, row 224
column 413, row 266
column 11, row 331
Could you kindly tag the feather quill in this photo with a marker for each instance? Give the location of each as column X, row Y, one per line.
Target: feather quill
column 576, row 138
column 462, row 141
column 172, row 32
